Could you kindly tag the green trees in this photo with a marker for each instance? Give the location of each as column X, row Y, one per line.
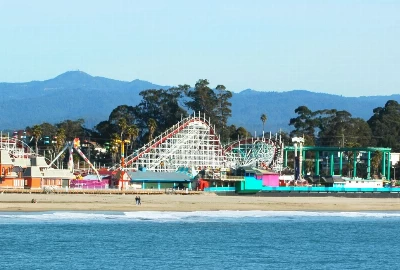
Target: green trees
column 57, row 134
column 385, row 125
column 161, row 105
column 339, row 128
column 330, row 127
column 305, row 124
column 73, row 128
column 203, row 99
column 223, row 110
column 160, row 109
column 214, row 104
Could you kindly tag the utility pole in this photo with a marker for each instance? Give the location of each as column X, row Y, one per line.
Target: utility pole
column 342, row 139
column 122, row 142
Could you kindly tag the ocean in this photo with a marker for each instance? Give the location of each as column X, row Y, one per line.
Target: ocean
column 200, row 240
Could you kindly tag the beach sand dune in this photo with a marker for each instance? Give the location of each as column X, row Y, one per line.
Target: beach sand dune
column 203, row 202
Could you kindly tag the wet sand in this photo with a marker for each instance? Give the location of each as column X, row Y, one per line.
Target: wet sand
column 203, row 202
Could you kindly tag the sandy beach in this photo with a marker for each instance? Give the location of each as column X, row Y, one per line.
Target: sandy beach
column 204, row 202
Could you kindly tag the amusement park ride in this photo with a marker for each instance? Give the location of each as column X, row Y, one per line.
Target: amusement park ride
column 71, row 146
column 191, row 143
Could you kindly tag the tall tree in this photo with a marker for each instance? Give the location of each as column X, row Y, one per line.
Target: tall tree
column 129, row 113
column 48, row 129
column 122, row 124
column 60, row 143
column 385, row 125
column 132, row 132
column 114, row 147
column 376, row 161
column 242, row 133
column 104, row 128
column 214, row 104
column 37, row 134
column 223, row 110
column 162, row 105
column 73, row 128
column 204, row 100
column 338, row 128
column 152, row 126
column 263, row 119
column 305, row 124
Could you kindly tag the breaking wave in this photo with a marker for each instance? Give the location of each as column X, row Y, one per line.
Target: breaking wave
column 196, row 216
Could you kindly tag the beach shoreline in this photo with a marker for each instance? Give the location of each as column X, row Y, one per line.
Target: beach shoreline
column 188, row 203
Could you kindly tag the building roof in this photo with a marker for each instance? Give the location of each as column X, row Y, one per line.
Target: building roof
column 33, row 172
column 39, row 161
column 149, row 176
column 5, row 157
column 22, row 162
column 58, row 173
column 94, row 177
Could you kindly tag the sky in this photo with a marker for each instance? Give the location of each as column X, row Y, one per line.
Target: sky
column 342, row 47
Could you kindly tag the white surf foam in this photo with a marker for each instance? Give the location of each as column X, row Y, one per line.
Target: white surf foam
column 196, row 216
column 148, row 215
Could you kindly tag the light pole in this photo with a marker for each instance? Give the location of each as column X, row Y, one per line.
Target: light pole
column 122, row 142
column 326, row 170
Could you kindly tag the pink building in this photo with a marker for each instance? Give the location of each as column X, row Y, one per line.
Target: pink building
column 269, row 179
column 91, row 182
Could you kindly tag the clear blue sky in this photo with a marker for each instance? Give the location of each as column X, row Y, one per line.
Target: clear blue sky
column 342, row 47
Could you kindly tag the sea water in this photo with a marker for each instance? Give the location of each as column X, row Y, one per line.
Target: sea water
column 200, row 240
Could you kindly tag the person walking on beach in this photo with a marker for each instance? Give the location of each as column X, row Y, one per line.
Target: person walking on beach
column 139, row 201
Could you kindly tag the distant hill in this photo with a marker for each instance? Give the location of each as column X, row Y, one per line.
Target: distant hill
column 76, row 94
column 248, row 105
column 71, row 95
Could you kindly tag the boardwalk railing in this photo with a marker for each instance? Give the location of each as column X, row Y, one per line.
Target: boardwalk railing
column 331, row 189
column 96, row 191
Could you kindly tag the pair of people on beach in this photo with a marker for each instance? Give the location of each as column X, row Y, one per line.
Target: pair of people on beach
column 137, row 199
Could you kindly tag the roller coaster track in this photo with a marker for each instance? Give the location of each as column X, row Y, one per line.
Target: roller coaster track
column 253, row 152
column 193, row 143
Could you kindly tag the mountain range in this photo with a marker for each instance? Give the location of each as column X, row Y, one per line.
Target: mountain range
column 76, row 94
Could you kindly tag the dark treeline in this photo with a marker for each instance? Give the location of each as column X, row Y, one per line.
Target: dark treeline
column 338, row 128
column 159, row 109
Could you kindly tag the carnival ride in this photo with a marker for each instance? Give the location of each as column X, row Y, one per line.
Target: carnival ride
column 71, row 146
column 15, row 147
column 255, row 152
column 193, row 143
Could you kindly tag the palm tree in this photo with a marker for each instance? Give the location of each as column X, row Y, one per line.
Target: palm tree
column 263, row 119
column 376, row 161
column 60, row 142
column 123, row 126
column 37, row 134
column 114, row 147
column 152, row 125
column 133, row 132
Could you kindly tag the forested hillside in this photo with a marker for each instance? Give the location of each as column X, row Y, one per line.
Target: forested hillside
column 77, row 95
